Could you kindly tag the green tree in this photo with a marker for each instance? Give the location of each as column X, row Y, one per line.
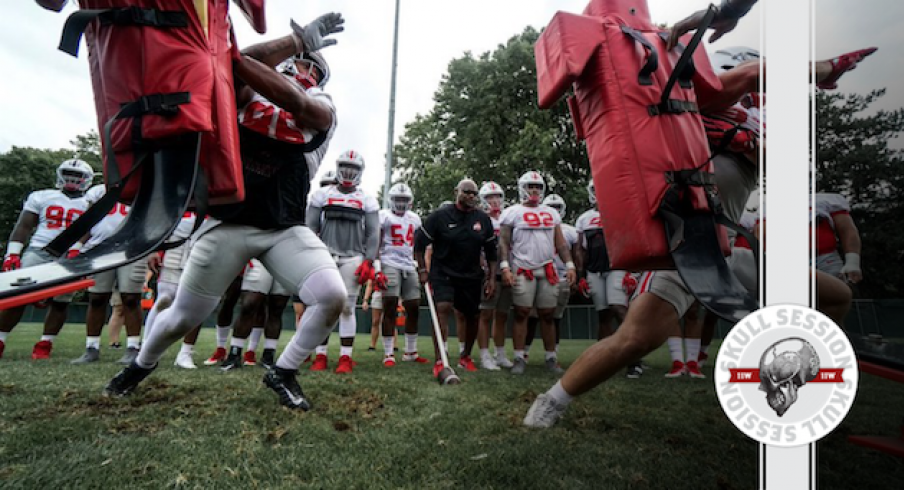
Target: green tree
column 486, row 125
column 853, row 158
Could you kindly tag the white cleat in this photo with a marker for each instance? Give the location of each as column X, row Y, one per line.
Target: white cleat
column 503, row 362
column 184, row 361
column 544, row 413
column 487, row 362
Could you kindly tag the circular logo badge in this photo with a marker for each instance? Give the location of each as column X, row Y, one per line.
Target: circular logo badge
column 786, row 375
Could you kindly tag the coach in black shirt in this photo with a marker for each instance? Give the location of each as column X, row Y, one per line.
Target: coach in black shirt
column 458, row 233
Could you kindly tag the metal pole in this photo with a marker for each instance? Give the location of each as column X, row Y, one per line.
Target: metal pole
column 392, row 90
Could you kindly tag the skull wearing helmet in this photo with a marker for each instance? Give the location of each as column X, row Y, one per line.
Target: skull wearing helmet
column 784, row 368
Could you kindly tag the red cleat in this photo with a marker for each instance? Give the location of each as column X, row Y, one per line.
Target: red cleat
column 702, row 358
column 678, row 369
column 345, row 365
column 42, row 350
column 389, row 362
column 467, row 364
column 413, row 357
column 218, row 356
column 693, row 370
column 437, row 367
column 842, row 65
column 250, row 358
column 320, row 363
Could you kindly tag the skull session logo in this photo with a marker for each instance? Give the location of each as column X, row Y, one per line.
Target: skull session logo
column 786, row 375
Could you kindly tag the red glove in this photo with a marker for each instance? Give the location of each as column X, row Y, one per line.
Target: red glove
column 842, row 65
column 365, row 271
column 551, row 274
column 12, row 262
column 629, row 283
column 584, row 288
column 73, row 253
column 527, row 273
column 380, row 281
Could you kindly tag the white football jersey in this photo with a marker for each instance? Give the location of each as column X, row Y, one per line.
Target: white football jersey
column 110, row 223
column 571, row 237
column 55, row 210
column 828, row 205
column 533, row 235
column 397, row 239
column 590, row 220
column 342, row 219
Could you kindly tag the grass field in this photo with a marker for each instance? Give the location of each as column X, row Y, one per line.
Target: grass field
column 389, row 428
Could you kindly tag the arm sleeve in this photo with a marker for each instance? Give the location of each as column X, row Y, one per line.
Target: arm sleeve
column 424, row 236
column 371, row 234
column 312, row 218
column 491, row 244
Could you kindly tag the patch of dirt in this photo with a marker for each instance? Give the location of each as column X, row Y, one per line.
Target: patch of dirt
column 9, row 389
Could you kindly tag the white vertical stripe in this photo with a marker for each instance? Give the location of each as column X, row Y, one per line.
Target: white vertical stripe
column 788, row 54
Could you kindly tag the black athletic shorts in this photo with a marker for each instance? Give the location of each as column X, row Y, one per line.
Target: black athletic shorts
column 464, row 294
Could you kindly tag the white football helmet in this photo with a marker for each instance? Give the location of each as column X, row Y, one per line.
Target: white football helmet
column 401, row 198
column 728, row 58
column 556, row 202
column 591, row 190
column 531, row 178
column 305, row 77
column 74, row 176
column 492, row 196
column 349, row 168
column 329, row 178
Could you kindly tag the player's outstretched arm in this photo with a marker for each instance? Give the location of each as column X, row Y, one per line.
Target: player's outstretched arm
column 308, row 111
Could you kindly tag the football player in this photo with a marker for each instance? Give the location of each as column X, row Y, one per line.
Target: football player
column 44, row 216
column 347, row 220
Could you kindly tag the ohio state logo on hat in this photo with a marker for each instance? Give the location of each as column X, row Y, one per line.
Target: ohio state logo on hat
column 786, row 375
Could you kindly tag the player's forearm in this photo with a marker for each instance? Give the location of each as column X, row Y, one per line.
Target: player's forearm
column 274, row 52
column 312, row 219
column 505, row 240
column 578, row 257
column 421, row 260
column 371, row 235
column 736, row 83
column 267, row 82
column 734, row 9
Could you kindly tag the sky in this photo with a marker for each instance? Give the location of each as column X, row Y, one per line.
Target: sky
column 47, row 100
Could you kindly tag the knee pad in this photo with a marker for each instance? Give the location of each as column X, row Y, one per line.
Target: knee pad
column 325, row 288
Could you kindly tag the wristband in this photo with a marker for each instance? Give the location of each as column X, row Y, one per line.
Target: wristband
column 570, row 265
column 14, row 248
column 76, row 246
column 377, row 266
column 850, row 259
column 421, row 270
column 504, row 265
column 299, row 44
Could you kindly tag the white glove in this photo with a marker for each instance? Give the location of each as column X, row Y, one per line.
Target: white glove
column 312, row 36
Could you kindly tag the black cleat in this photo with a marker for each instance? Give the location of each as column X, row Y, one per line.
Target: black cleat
column 128, row 356
column 283, row 382
column 91, row 354
column 232, row 362
column 124, row 383
column 267, row 358
column 634, row 371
